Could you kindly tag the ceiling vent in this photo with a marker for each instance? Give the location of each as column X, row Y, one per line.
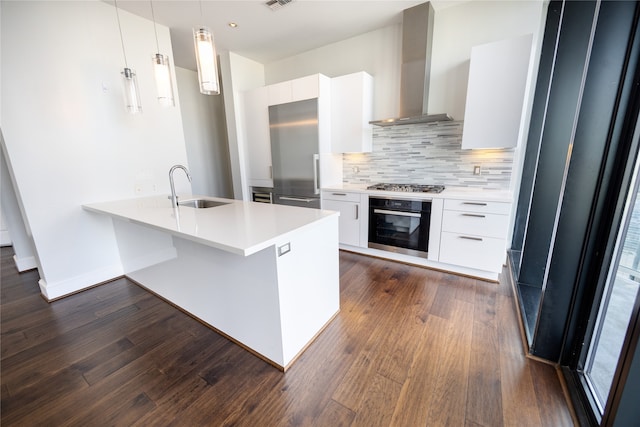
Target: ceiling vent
column 277, row 4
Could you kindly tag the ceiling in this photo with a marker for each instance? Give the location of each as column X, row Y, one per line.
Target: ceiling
column 265, row 35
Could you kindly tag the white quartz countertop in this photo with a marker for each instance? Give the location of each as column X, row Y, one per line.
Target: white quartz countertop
column 466, row 193
column 239, row 227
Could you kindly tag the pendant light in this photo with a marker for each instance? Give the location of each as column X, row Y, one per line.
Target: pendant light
column 129, row 79
column 161, row 71
column 206, row 59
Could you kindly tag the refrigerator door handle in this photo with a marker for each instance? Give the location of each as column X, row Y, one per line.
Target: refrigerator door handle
column 316, row 178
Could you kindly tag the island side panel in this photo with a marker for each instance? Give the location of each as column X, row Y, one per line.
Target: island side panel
column 309, row 284
column 237, row 295
column 141, row 247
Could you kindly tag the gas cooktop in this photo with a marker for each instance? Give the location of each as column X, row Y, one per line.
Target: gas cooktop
column 408, row 188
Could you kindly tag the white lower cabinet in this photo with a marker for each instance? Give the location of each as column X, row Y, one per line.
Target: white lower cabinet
column 474, row 234
column 352, row 215
column 482, row 253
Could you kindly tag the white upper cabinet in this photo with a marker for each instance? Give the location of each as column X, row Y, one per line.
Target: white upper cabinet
column 257, row 137
column 351, row 111
column 495, row 96
column 307, row 87
column 279, row 93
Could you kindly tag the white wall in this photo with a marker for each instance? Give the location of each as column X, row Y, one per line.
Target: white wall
column 456, row 30
column 68, row 138
column 24, row 254
column 205, row 134
column 5, row 237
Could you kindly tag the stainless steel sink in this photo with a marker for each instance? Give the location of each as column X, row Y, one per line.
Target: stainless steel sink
column 201, row 203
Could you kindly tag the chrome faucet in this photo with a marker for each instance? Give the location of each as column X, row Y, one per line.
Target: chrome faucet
column 174, row 198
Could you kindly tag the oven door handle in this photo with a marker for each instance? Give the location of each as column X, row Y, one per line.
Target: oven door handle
column 386, row 212
column 296, row 199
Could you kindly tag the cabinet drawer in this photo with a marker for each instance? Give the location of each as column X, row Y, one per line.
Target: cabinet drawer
column 341, row 195
column 476, row 224
column 478, row 206
column 482, row 253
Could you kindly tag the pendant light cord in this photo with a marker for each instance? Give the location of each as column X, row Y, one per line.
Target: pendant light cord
column 155, row 29
column 121, row 38
column 201, row 18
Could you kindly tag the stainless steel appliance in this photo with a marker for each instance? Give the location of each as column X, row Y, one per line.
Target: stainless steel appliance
column 400, row 225
column 294, row 153
column 415, row 69
column 262, row 194
column 407, row 188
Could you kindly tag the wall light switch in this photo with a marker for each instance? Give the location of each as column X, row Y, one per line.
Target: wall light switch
column 476, row 170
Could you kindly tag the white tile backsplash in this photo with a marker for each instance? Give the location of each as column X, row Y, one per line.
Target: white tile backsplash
column 427, row 153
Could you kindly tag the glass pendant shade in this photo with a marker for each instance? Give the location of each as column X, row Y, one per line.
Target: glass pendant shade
column 164, row 86
column 206, row 59
column 131, row 94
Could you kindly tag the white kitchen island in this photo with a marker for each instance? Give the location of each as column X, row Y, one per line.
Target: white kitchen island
column 266, row 276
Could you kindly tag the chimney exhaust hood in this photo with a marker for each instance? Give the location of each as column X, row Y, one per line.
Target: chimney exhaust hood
column 417, row 38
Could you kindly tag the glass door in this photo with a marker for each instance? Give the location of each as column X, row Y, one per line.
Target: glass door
column 617, row 305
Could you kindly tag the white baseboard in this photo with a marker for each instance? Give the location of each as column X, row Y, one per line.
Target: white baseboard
column 26, row 263
column 55, row 290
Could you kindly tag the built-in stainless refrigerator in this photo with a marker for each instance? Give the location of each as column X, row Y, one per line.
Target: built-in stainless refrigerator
column 294, row 153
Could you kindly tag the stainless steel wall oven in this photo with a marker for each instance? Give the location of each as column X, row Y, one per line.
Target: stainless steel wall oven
column 400, row 225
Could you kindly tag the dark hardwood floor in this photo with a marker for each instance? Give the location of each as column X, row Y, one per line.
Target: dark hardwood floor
column 410, row 347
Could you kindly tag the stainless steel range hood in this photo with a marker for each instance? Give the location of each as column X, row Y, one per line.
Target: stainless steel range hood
column 417, row 38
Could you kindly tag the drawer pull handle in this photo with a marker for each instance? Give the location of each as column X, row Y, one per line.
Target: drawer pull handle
column 339, row 194
column 475, row 215
column 477, row 239
column 474, row 203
